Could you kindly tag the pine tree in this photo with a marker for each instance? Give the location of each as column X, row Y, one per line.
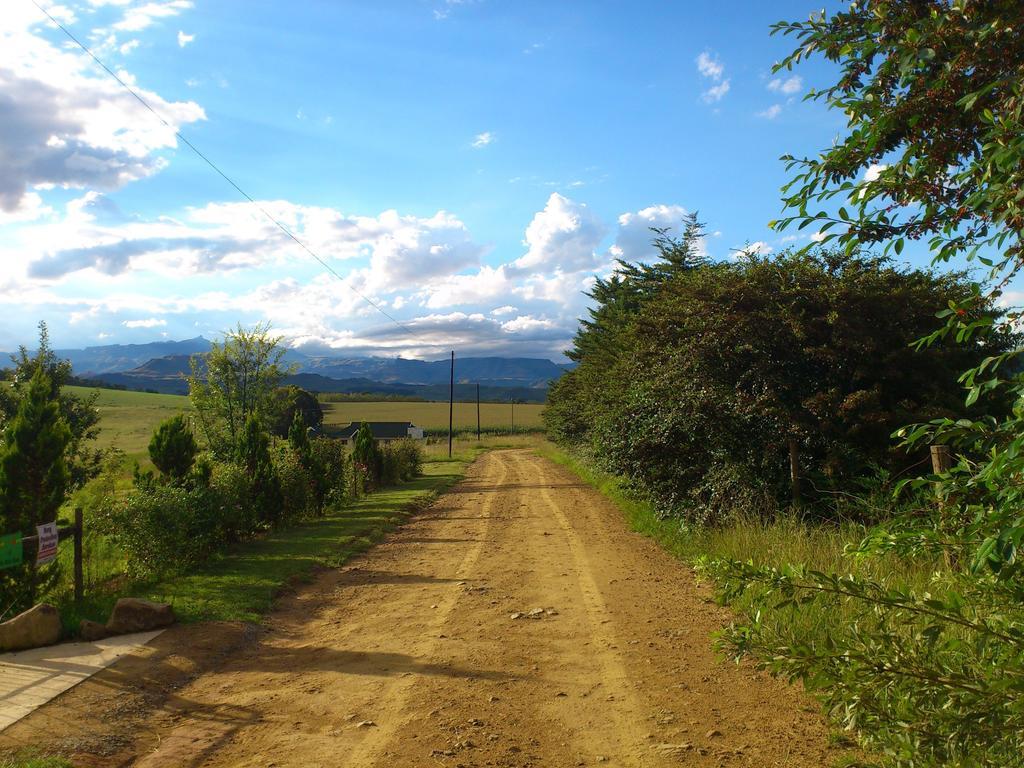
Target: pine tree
column 173, row 447
column 34, row 477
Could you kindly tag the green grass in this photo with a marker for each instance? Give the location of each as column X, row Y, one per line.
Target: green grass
column 785, row 540
column 32, row 760
column 127, row 419
column 241, row 585
column 435, row 415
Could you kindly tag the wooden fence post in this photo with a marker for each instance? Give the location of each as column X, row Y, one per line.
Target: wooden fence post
column 79, row 535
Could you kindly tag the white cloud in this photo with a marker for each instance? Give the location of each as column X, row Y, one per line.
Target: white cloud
column 142, row 16
column 151, row 322
column 128, row 47
column 62, row 124
column 788, row 86
column 565, row 235
column 481, row 140
column 874, row 171
column 771, row 113
column 184, row 39
column 818, row 237
column 757, row 248
column 508, row 309
column 710, row 66
column 633, row 241
column 711, row 95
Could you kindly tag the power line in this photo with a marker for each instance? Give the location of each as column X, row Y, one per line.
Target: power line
column 221, row 173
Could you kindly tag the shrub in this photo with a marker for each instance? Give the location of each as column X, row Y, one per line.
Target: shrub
column 173, row 448
column 297, row 484
column 330, row 457
column 164, row 529
column 254, row 455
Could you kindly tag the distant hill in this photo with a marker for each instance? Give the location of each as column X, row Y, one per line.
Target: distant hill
column 161, row 366
column 124, row 357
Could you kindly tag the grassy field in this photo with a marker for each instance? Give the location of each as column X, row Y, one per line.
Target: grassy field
column 127, row 419
column 434, row 415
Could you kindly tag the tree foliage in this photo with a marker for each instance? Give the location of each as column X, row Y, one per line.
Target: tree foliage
column 694, row 378
column 80, row 414
column 289, row 401
column 34, row 478
column 173, row 448
column 234, row 382
column 933, row 91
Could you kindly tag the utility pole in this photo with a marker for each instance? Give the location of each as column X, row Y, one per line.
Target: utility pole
column 451, row 405
column 478, row 411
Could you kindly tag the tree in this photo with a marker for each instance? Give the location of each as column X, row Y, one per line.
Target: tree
column 34, row 476
column 173, row 448
column 366, row 453
column 79, row 413
column 253, row 453
column 289, row 401
column 933, row 94
column 235, row 382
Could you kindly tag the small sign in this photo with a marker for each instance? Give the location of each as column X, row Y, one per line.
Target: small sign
column 10, row 550
column 48, row 538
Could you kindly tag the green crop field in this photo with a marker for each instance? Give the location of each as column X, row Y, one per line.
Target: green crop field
column 129, row 418
column 434, row 415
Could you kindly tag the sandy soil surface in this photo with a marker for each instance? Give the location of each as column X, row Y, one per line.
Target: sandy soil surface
column 516, row 622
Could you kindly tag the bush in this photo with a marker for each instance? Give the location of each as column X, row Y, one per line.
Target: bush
column 298, row 485
column 232, row 491
column 330, row 457
column 164, row 529
column 173, row 448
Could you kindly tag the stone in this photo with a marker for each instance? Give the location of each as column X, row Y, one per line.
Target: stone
column 91, row 631
column 132, row 614
column 38, row 626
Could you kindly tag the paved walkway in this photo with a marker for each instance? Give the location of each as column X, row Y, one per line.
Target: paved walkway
column 29, row 679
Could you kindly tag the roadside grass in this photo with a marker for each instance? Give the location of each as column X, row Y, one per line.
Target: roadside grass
column 784, row 540
column 31, row 759
column 242, row 584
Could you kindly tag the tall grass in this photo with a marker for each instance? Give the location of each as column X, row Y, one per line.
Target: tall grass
column 784, row 540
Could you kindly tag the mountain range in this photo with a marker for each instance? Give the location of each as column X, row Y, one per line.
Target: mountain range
column 161, row 366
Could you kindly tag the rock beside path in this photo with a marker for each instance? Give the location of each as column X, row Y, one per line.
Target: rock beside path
column 38, row 626
column 132, row 614
column 90, row 631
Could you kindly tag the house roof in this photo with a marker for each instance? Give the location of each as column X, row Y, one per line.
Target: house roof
column 380, row 429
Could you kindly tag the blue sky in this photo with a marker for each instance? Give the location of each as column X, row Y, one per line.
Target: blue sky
column 469, row 165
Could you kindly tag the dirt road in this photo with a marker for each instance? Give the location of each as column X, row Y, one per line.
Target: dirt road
column 517, row 622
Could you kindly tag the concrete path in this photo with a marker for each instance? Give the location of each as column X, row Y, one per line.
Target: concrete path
column 29, row 679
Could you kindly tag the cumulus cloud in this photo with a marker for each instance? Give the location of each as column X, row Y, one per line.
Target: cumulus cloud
column 61, row 124
column 481, row 140
column 788, row 86
column 184, row 39
column 149, row 322
column 565, row 235
column 771, row 113
column 634, row 240
column 223, row 237
column 712, row 68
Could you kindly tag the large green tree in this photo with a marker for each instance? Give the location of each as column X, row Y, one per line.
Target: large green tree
column 79, row 413
column 235, row 382
column 34, row 478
